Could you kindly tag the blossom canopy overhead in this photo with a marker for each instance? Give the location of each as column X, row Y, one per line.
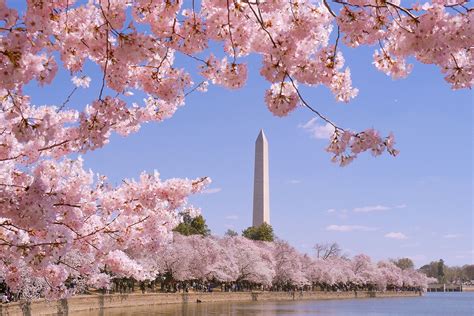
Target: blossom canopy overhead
column 53, row 212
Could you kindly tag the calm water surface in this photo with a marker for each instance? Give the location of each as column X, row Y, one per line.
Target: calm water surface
column 430, row 304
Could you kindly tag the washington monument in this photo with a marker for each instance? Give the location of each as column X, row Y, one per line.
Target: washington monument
column 261, row 194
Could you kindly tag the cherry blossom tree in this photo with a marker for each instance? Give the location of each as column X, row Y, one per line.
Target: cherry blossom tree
column 51, row 207
column 58, row 210
column 288, row 266
column 174, row 259
column 206, row 262
column 253, row 260
column 365, row 272
column 391, row 275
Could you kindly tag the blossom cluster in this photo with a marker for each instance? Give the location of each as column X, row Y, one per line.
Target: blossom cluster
column 346, row 145
column 438, row 33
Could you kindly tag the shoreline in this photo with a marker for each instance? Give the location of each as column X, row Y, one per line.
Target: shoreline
column 91, row 303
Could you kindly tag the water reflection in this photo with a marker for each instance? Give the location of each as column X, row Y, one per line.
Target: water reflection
column 439, row 304
column 195, row 309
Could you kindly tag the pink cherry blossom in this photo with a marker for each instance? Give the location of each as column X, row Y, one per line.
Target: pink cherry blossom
column 58, row 220
column 281, row 98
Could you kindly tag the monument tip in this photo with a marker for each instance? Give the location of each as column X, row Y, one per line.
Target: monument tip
column 261, row 134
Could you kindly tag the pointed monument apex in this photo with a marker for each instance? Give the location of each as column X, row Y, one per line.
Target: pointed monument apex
column 261, row 135
column 261, row 193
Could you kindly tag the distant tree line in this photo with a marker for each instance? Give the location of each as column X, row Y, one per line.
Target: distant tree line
column 447, row 274
column 440, row 271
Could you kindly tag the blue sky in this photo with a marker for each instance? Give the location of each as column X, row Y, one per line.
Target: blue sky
column 425, row 193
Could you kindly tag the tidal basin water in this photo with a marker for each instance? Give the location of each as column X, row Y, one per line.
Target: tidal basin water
column 429, row 304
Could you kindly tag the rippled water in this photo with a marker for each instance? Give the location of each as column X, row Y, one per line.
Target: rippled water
column 429, row 304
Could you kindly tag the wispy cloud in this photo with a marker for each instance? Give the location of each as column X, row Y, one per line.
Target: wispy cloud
column 451, row 236
column 374, row 208
column 211, row 190
column 294, row 181
column 232, row 217
column 349, row 228
column 396, row 235
column 331, row 210
column 316, row 130
column 377, row 208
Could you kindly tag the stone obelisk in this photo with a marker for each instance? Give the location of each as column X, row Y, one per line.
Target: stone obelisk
column 261, row 194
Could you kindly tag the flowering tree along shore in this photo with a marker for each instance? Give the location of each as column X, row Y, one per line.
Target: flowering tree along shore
column 59, row 221
column 274, row 265
column 237, row 263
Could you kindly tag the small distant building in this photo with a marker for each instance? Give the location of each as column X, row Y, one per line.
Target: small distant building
column 261, row 193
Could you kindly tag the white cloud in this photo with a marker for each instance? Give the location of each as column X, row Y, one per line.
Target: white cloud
column 331, row 210
column 451, row 236
column 232, row 217
column 211, row 191
column 396, row 235
column 377, row 208
column 349, row 228
column 294, row 181
column 366, row 209
column 316, row 130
